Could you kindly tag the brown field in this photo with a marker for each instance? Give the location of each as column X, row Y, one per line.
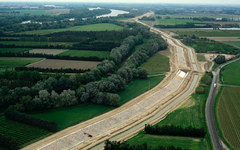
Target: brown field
column 58, row 64
column 47, row 51
column 59, row 11
column 221, row 22
column 225, row 38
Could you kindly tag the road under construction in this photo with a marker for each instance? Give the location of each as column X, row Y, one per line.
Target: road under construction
column 130, row 118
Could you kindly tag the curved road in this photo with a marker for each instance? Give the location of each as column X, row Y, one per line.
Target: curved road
column 217, row 144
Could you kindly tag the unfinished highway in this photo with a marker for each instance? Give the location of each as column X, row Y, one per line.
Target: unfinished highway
column 149, row 107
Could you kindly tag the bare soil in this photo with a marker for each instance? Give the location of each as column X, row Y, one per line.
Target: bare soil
column 46, row 51
column 58, row 64
column 210, row 57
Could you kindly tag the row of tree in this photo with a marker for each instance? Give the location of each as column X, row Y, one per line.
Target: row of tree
column 175, row 130
column 8, row 142
column 50, row 56
column 114, row 145
column 32, row 76
column 51, row 70
column 31, row 120
column 11, row 84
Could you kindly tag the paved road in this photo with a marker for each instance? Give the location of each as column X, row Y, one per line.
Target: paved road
column 217, row 144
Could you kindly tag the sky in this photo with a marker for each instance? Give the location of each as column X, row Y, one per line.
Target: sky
column 137, row 1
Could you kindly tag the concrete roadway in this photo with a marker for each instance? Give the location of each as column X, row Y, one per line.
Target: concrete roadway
column 217, row 144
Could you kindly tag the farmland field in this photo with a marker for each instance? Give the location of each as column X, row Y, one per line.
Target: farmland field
column 228, row 114
column 59, row 11
column 227, row 39
column 69, row 116
column 156, row 140
column 201, row 58
column 86, row 53
column 29, row 43
column 92, row 27
column 157, row 63
column 236, row 43
column 33, row 12
column 11, row 62
column 206, row 32
column 137, row 87
column 175, row 21
column 231, row 73
column 23, row 133
column 148, row 22
column 58, row 64
column 13, row 50
column 47, row 51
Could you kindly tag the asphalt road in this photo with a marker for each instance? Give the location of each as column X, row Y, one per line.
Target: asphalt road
column 217, row 144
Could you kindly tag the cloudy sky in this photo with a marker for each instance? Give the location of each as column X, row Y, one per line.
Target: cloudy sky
column 136, row 1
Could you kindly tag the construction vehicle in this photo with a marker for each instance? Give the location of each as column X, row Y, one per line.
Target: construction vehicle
column 89, row 135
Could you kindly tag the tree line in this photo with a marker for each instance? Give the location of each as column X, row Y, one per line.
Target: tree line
column 187, row 25
column 50, row 56
column 174, row 130
column 31, row 120
column 51, row 70
column 114, row 145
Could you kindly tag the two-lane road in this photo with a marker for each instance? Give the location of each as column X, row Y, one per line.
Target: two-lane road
column 209, row 109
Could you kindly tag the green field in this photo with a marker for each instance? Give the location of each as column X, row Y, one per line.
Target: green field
column 231, row 73
column 12, row 62
column 122, row 18
column 173, row 21
column 23, row 133
column 156, row 140
column 13, row 50
column 29, row 43
column 157, row 64
column 189, row 114
column 69, row 116
column 32, row 12
column 227, row 114
column 137, row 87
column 201, row 58
column 148, row 22
column 205, row 32
column 236, row 43
column 92, row 27
column 86, row 53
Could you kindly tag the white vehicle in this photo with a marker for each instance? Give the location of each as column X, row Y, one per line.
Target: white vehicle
column 214, row 85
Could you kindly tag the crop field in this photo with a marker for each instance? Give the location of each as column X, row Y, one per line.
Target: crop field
column 11, row 62
column 227, row 39
column 175, row 21
column 156, row 140
column 211, row 15
column 13, row 50
column 201, row 58
column 69, row 116
column 213, row 47
column 33, row 12
column 148, row 22
column 236, row 43
column 137, row 87
column 221, row 22
column 92, row 27
column 86, row 53
column 206, row 32
column 21, row 43
column 23, row 133
column 228, row 113
column 47, row 51
column 58, row 64
column 157, row 63
column 231, row 73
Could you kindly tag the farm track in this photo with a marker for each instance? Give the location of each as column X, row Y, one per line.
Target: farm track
column 90, row 142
